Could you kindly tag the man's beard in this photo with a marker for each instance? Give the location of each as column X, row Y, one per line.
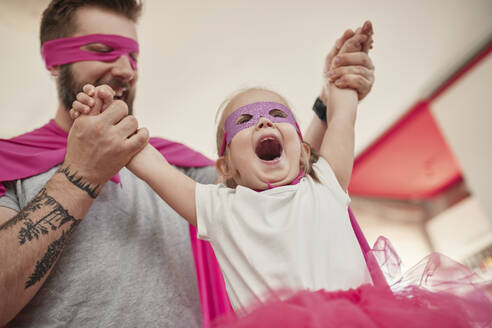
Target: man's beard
column 69, row 87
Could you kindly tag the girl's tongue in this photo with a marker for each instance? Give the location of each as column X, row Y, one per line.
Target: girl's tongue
column 268, row 149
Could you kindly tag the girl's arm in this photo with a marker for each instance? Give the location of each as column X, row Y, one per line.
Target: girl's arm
column 337, row 146
column 174, row 187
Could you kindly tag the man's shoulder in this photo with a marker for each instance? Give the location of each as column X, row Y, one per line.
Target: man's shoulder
column 179, row 154
column 203, row 174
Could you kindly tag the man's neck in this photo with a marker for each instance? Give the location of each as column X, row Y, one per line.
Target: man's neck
column 63, row 119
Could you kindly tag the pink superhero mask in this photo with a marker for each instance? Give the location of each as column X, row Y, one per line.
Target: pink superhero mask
column 275, row 112
column 67, row 50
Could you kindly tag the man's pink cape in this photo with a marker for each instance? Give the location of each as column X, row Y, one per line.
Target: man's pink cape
column 40, row 150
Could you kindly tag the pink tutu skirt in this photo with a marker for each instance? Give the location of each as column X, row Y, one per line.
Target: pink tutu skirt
column 437, row 292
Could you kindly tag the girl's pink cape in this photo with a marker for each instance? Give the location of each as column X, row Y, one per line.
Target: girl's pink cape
column 40, row 150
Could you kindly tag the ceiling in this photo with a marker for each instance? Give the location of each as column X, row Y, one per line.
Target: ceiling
column 195, row 53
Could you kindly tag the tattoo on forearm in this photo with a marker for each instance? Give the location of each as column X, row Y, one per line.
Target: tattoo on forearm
column 53, row 218
column 54, row 249
column 32, row 230
column 79, row 181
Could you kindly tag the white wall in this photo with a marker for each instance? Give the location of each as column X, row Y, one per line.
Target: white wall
column 194, row 53
column 27, row 95
column 461, row 230
column 464, row 114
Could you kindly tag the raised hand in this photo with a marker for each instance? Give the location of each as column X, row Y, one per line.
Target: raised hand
column 92, row 100
column 99, row 145
column 348, row 65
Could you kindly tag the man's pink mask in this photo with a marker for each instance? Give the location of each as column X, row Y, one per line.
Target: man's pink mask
column 67, row 50
column 249, row 115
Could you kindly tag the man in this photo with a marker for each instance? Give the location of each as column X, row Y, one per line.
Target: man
column 78, row 249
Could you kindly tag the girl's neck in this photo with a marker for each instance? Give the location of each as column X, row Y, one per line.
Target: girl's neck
column 293, row 182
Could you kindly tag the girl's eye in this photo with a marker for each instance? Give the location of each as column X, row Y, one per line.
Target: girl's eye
column 243, row 119
column 277, row 113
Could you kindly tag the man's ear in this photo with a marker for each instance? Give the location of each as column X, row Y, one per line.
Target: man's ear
column 54, row 71
column 223, row 167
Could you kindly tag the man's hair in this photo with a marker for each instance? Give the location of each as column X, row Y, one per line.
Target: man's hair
column 58, row 19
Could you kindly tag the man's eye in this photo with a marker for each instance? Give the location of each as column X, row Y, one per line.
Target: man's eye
column 243, row 119
column 134, row 56
column 277, row 113
column 97, row 47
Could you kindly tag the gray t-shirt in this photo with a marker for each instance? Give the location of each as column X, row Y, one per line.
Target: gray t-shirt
column 128, row 264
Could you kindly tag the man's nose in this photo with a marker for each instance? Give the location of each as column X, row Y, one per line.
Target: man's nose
column 123, row 68
column 264, row 123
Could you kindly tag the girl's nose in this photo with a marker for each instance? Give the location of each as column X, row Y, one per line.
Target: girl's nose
column 264, row 123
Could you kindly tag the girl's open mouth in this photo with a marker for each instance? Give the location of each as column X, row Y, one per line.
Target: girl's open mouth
column 268, row 148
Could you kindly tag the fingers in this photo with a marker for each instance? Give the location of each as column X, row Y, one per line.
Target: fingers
column 336, row 73
column 350, row 65
column 366, row 46
column 360, row 44
column 115, row 112
column 106, row 94
column 346, row 35
column 83, row 103
column 85, row 99
column 89, row 89
column 127, row 126
column 78, row 108
column 81, row 106
column 351, row 59
column 73, row 114
column 354, row 44
column 92, row 100
column 367, row 28
column 336, row 48
column 355, row 82
column 137, row 141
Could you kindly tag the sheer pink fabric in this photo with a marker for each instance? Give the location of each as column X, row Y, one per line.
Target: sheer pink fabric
column 437, row 292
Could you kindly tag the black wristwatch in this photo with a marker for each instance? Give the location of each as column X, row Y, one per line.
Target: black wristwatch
column 320, row 109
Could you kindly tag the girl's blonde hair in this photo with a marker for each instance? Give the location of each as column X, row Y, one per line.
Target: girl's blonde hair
column 220, row 120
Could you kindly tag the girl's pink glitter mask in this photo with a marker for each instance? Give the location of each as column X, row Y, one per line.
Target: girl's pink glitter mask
column 255, row 110
column 67, row 50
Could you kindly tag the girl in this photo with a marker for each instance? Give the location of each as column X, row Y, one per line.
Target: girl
column 279, row 224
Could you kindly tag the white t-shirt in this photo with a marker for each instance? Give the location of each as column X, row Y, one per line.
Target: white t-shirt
column 296, row 237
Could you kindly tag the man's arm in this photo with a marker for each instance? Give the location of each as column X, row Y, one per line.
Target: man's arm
column 32, row 239
column 354, row 70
